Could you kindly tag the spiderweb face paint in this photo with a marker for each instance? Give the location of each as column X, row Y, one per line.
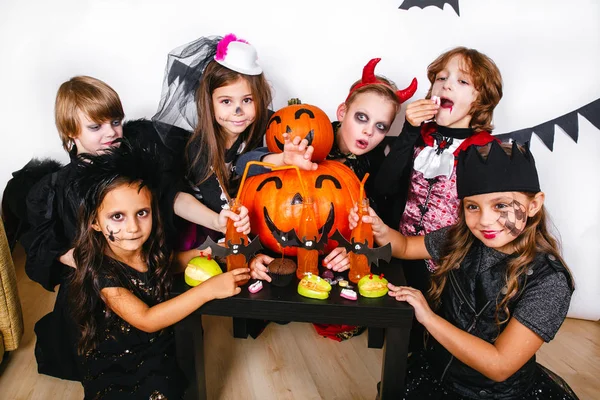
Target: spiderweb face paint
column 514, row 218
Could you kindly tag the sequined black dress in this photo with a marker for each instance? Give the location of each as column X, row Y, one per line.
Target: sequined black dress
column 52, row 215
column 129, row 363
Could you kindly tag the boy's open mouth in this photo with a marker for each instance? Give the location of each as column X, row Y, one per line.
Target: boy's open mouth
column 362, row 144
column 446, row 103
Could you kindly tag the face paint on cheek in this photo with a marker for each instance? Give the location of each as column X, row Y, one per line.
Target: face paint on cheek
column 111, row 234
column 515, row 219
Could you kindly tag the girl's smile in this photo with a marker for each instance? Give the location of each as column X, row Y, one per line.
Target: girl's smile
column 490, row 234
column 497, row 219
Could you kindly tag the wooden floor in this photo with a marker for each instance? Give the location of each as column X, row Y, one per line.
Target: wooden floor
column 285, row 362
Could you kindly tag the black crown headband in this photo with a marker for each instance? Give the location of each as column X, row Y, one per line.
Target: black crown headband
column 498, row 173
column 96, row 171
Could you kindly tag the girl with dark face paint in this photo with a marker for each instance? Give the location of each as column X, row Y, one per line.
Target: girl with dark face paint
column 119, row 291
column 501, row 289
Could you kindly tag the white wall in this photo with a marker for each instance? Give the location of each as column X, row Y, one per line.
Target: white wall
column 547, row 50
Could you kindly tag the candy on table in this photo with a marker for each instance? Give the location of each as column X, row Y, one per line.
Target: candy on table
column 328, row 274
column 255, row 287
column 348, row 294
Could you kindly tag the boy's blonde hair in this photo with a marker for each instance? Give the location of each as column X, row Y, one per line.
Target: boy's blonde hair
column 487, row 80
column 386, row 89
column 98, row 101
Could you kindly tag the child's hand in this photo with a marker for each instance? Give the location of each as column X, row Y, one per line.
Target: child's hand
column 68, row 259
column 421, row 110
column 415, row 298
column 337, row 260
column 226, row 284
column 380, row 229
column 258, row 267
column 242, row 220
column 297, row 152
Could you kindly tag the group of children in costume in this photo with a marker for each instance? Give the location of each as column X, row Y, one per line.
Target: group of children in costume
column 105, row 226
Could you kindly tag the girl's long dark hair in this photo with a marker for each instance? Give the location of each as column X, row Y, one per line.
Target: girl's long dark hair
column 205, row 150
column 97, row 176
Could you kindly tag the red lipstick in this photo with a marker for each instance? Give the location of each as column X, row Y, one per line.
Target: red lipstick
column 489, row 234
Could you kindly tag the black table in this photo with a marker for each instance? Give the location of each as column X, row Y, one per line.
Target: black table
column 388, row 320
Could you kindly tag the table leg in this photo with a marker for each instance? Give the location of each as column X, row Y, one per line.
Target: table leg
column 376, row 336
column 191, row 358
column 240, row 328
column 393, row 366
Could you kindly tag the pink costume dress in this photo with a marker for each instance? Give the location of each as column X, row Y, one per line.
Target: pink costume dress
column 432, row 201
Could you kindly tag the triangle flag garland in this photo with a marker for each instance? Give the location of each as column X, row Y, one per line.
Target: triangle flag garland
column 567, row 123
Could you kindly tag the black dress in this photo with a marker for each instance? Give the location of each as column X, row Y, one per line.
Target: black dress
column 128, row 363
column 52, row 205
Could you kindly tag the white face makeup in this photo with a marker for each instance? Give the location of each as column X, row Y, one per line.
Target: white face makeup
column 364, row 123
column 453, row 86
column 95, row 137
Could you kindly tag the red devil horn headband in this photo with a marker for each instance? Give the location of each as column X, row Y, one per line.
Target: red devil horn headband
column 369, row 78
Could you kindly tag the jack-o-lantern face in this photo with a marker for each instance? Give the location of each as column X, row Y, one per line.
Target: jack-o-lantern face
column 274, row 201
column 304, row 120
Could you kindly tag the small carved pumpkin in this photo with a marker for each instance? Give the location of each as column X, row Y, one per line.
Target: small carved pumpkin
column 275, row 198
column 304, row 120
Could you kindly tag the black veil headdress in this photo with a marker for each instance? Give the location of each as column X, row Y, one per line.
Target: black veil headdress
column 185, row 66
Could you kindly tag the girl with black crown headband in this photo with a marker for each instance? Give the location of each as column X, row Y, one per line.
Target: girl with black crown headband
column 418, row 176
column 501, row 291
column 119, row 291
column 215, row 88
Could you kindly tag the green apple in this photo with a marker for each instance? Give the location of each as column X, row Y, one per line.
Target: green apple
column 372, row 286
column 200, row 269
column 314, row 287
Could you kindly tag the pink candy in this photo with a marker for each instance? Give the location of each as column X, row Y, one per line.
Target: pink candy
column 255, row 287
column 348, row 294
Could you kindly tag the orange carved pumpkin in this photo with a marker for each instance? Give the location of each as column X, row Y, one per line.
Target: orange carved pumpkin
column 304, row 120
column 276, row 198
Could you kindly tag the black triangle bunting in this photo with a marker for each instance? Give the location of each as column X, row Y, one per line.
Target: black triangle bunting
column 568, row 123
